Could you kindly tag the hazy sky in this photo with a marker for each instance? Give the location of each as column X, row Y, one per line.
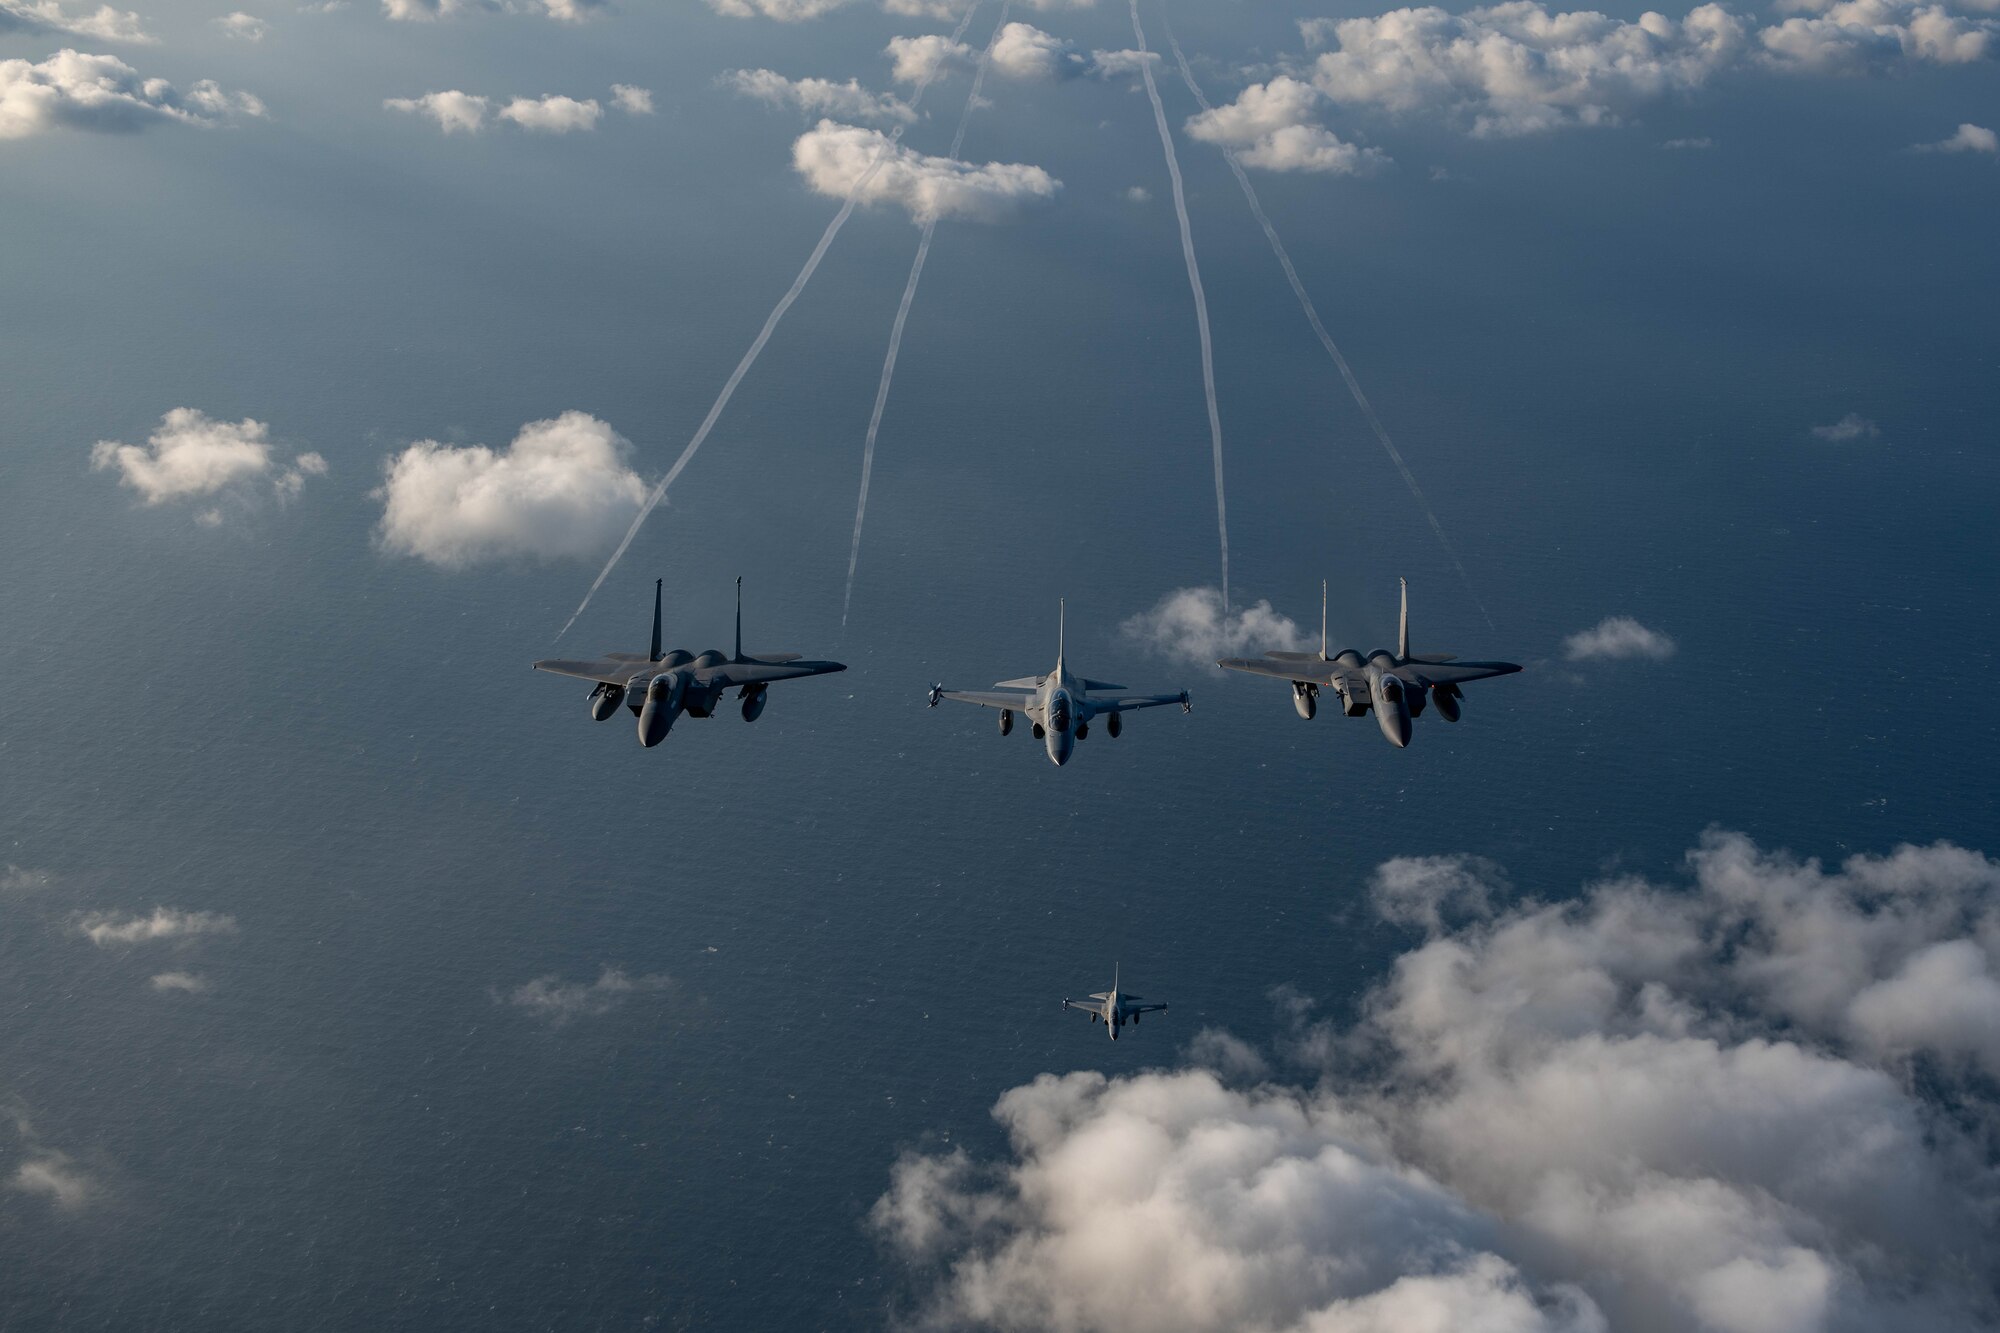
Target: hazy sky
column 353, row 979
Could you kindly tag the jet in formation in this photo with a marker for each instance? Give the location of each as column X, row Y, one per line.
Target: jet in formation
column 658, row 687
column 1394, row 685
column 1112, row 1007
column 1059, row 706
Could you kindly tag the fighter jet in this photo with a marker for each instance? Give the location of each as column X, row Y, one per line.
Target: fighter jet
column 658, row 687
column 1394, row 685
column 1112, row 1008
column 1058, row 705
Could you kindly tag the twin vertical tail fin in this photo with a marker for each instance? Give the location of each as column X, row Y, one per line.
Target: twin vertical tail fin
column 1062, row 615
column 1322, row 620
column 656, row 620
column 739, row 620
column 1403, row 624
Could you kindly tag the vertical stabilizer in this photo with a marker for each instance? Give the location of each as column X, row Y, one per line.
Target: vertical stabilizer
column 656, row 620
column 1114, row 978
column 1403, row 624
column 1062, row 614
column 1322, row 620
column 739, row 619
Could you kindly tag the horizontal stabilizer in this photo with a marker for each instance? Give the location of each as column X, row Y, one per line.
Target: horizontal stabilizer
column 1024, row 683
column 1428, row 657
column 1103, row 686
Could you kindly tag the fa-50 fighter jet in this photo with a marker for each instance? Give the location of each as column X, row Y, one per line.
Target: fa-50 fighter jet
column 1111, row 1008
column 658, row 687
column 1059, row 706
column 1394, row 685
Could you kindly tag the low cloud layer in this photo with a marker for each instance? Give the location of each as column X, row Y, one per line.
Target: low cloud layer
column 1853, row 426
column 1690, row 1107
column 820, row 97
column 456, row 112
column 563, row 489
column 1273, row 126
column 556, row 1002
column 112, row 929
column 837, row 159
column 1968, row 138
column 920, row 60
column 31, row 1166
column 73, row 90
column 104, row 23
column 186, row 983
column 552, row 114
column 1616, row 639
column 429, row 11
column 192, row 456
column 1189, row 625
column 633, row 101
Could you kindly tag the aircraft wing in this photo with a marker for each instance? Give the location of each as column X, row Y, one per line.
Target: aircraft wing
column 1126, row 703
column 1018, row 700
column 606, row 671
column 762, row 671
column 1438, row 673
column 1284, row 666
column 1144, row 1008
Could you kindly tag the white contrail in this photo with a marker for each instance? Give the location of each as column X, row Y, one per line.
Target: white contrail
column 1200, row 300
column 764, row 334
column 902, row 318
column 1326, row 340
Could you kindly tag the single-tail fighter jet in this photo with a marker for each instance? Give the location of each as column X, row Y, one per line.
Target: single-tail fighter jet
column 1394, row 685
column 1059, row 706
column 1112, row 1007
column 658, row 687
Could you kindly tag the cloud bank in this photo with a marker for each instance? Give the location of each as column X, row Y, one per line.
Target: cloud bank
column 110, row 929
column 836, row 158
column 456, row 112
column 1616, row 639
column 563, row 489
column 105, row 23
column 1274, row 126
column 820, row 97
column 1189, row 625
column 1690, row 1106
column 191, row 455
column 73, row 90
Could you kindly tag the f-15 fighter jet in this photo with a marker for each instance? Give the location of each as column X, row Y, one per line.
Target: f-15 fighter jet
column 1112, row 1007
column 1394, row 685
column 1059, row 706
column 658, row 687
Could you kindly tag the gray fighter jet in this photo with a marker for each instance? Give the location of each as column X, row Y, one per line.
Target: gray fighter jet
column 1059, row 706
column 1395, row 685
column 1112, row 1008
column 658, row 687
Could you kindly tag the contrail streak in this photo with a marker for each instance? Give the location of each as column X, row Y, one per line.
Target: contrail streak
column 763, row 336
column 1326, row 339
column 902, row 318
column 1200, row 300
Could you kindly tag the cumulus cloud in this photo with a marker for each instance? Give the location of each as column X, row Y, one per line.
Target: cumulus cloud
column 186, row 982
column 557, row 1002
column 1023, row 51
column 1618, row 638
column 1851, row 36
column 16, row 879
column 1274, row 126
column 192, row 455
column 1430, row 892
column 1968, row 138
column 73, row 90
column 920, row 60
column 1189, row 625
column 104, row 23
column 1688, row 145
column 455, row 112
column 563, row 489
column 820, row 97
column 632, row 101
column 784, row 11
column 552, row 114
column 109, row 929
column 1516, row 68
column 1111, row 64
column 835, row 159
column 242, row 26
column 1677, row 1107
column 1853, row 426
column 1138, row 194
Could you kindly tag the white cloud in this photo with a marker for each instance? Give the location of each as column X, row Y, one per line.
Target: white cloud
column 1274, row 126
column 552, row 114
column 454, row 111
column 1851, row 36
column 87, row 92
column 421, row 11
column 1683, row 1108
column 1853, row 426
column 51, row 1175
column 835, row 159
column 1023, row 51
column 1688, row 145
column 107, row 929
column 105, row 23
column 1189, row 625
column 1138, row 194
column 922, row 9
column 191, row 454
column 1111, row 64
column 242, row 26
column 574, row 11
column 556, row 1001
column 1432, row 892
column 632, row 101
column 185, row 982
column 820, row 97
column 919, row 60
column 1968, row 138
column 16, row 879
column 1618, row 638
column 784, row 11
column 563, row 489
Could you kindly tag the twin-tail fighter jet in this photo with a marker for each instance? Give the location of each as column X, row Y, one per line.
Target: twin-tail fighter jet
column 1394, row 685
column 1113, row 1007
column 658, row 687
column 1059, row 706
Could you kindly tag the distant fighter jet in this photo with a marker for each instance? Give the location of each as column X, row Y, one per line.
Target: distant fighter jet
column 1112, row 1008
column 1393, row 684
column 658, row 687
column 1058, row 705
